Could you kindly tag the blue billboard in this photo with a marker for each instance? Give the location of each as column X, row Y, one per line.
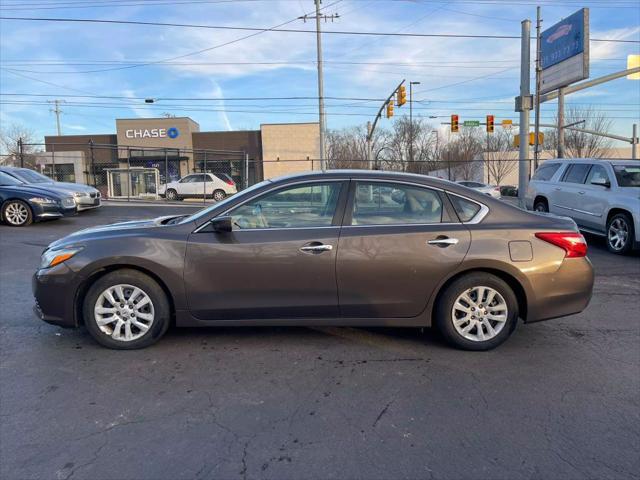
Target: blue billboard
column 565, row 39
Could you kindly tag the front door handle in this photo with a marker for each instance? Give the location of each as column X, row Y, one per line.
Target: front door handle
column 316, row 248
column 581, row 192
column 443, row 241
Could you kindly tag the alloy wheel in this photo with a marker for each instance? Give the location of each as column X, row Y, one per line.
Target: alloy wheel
column 16, row 213
column 618, row 234
column 479, row 313
column 218, row 195
column 124, row 312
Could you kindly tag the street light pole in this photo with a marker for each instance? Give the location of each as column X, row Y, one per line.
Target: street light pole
column 320, row 86
column 411, row 84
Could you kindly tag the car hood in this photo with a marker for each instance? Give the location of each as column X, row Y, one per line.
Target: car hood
column 32, row 189
column 111, row 230
column 67, row 187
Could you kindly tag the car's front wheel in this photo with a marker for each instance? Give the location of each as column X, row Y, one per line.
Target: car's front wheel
column 17, row 213
column 477, row 311
column 125, row 310
column 620, row 233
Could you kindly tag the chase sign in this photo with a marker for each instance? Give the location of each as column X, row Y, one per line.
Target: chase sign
column 172, row 132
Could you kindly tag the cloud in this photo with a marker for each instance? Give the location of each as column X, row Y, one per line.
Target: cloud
column 80, row 128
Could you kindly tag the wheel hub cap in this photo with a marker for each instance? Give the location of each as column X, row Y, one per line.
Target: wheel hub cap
column 479, row 313
column 124, row 312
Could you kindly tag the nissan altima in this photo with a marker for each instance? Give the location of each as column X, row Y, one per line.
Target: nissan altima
column 353, row 248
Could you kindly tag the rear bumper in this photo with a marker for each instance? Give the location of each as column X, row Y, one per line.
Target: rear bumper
column 566, row 292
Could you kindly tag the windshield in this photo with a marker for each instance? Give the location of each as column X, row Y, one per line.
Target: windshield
column 627, row 175
column 9, row 180
column 30, row 176
column 205, row 211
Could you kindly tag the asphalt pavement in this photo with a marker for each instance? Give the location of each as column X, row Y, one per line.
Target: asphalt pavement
column 559, row 400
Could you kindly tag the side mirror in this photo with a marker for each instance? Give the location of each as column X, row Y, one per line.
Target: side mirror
column 222, row 224
column 602, row 183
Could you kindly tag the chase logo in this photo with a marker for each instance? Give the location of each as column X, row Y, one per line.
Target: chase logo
column 173, row 132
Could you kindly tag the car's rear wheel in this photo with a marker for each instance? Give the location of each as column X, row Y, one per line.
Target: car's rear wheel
column 219, row 195
column 17, row 213
column 477, row 312
column 125, row 310
column 620, row 233
column 172, row 194
column 541, row 205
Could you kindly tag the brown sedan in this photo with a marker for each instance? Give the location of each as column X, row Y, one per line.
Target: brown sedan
column 354, row 248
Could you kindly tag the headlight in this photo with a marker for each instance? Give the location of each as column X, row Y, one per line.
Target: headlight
column 42, row 200
column 80, row 194
column 51, row 258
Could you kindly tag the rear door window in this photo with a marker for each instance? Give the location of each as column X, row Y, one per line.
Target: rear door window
column 576, row 173
column 546, row 171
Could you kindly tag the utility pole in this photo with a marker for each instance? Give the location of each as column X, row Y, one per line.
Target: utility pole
column 536, row 148
column 561, row 122
column 57, row 111
column 321, row 113
column 634, row 140
column 523, row 105
column 411, row 84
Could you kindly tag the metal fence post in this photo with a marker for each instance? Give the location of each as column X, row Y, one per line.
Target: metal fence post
column 246, row 170
column 128, row 174
column 204, row 184
column 21, row 152
column 92, row 164
column 53, row 162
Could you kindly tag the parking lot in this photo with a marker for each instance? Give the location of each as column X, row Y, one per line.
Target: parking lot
column 559, row 400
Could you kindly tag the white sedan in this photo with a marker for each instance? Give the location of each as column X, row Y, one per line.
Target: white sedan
column 490, row 190
column 197, row 185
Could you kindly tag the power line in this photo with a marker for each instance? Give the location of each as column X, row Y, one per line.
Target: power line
column 290, row 30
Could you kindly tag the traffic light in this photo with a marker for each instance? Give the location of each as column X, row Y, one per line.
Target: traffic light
column 454, row 123
column 402, row 95
column 489, row 123
column 390, row 109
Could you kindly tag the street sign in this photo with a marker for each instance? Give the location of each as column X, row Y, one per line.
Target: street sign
column 564, row 52
column 471, row 123
column 507, row 124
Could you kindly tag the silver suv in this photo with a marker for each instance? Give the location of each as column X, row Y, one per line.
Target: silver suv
column 601, row 196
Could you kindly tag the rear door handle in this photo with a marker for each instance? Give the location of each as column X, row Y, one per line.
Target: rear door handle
column 581, row 192
column 443, row 241
column 558, row 189
column 316, row 248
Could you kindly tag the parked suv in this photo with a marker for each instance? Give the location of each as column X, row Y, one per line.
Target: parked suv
column 601, row 196
column 196, row 185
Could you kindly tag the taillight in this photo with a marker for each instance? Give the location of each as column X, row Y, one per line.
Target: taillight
column 229, row 181
column 573, row 243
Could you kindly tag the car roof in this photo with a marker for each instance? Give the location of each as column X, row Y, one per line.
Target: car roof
column 612, row 161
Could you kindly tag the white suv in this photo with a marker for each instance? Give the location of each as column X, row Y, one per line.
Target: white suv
column 198, row 185
column 601, row 196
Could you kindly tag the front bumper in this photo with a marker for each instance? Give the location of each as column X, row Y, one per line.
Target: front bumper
column 44, row 211
column 565, row 292
column 86, row 203
column 54, row 290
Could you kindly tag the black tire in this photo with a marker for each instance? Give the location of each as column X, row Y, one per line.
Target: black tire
column 161, row 314
column 541, row 205
column 13, row 219
column 620, row 222
column 444, row 316
column 219, row 195
column 172, row 195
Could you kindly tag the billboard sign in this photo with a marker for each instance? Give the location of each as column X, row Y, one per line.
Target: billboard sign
column 564, row 52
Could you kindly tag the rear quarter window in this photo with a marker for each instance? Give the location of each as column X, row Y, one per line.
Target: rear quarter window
column 546, row 171
column 466, row 209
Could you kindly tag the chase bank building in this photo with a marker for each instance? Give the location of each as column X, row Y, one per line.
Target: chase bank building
column 177, row 147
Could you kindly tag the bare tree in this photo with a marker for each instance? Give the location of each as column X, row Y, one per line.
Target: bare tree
column 497, row 161
column 580, row 144
column 10, row 151
column 460, row 154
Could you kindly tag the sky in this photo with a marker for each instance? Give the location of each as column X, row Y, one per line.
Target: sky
column 209, row 68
